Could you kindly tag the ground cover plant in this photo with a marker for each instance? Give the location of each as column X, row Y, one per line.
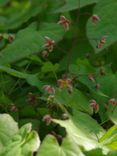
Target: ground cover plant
column 58, row 78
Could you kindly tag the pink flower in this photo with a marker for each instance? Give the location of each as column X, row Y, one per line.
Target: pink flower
column 102, row 42
column 94, row 105
column 49, row 89
column 45, row 54
column 31, row 98
column 64, row 22
column 49, row 44
column 11, row 38
column 95, row 19
column 113, row 102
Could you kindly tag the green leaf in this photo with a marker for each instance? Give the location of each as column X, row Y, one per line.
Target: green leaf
column 94, row 152
column 75, row 100
column 82, row 69
column 112, row 131
column 83, row 130
column 106, row 26
column 51, row 145
column 30, row 41
column 32, row 79
column 49, row 67
column 98, row 152
column 110, row 138
column 113, row 114
column 19, row 13
column 113, row 153
column 24, row 143
column 74, row 4
column 8, row 128
column 6, row 82
column 34, row 122
column 107, row 84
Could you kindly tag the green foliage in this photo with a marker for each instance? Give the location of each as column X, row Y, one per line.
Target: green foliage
column 67, row 148
column 22, row 142
column 74, row 4
column 106, row 26
column 8, row 130
column 58, row 93
column 34, row 42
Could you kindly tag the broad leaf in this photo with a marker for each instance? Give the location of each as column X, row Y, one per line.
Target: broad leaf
column 113, row 114
column 75, row 100
column 83, row 130
column 74, row 4
column 51, row 145
column 8, row 128
column 24, row 143
column 30, row 41
column 32, row 79
column 110, row 138
column 106, row 26
column 98, row 152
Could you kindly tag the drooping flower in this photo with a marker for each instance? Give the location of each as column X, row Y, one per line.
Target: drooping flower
column 45, row 54
column 65, row 116
column 94, row 106
column 113, row 102
column 49, row 44
column 49, row 89
column 64, row 22
column 97, row 86
column 47, row 119
column 50, row 99
column 31, row 98
column 91, row 77
column 13, row 108
column 11, row 38
column 95, row 18
column 102, row 42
